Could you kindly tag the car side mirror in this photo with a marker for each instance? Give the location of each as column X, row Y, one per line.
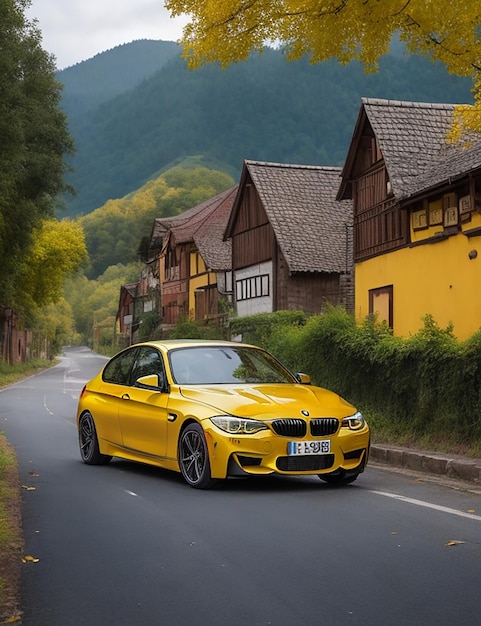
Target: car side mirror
column 304, row 379
column 152, row 381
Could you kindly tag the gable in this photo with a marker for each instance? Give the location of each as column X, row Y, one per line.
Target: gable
column 296, row 206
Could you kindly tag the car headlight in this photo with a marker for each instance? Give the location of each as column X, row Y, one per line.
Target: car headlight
column 354, row 422
column 237, row 425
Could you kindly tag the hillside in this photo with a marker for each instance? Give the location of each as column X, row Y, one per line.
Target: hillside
column 264, row 109
column 90, row 83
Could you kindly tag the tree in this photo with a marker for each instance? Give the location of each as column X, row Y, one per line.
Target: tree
column 33, row 140
column 53, row 326
column 57, row 251
column 114, row 231
column 362, row 30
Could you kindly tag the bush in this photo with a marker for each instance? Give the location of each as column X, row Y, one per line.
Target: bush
column 428, row 385
column 187, row 328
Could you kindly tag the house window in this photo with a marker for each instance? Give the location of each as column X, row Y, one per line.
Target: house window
column 252, row 287
column 381, row 303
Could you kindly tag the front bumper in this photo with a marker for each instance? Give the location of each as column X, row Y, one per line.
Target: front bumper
column 266, row 453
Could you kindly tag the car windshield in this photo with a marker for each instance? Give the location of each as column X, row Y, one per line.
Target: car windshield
column 225, row 364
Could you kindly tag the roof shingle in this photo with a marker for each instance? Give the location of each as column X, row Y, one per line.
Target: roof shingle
column 413, row 140
column 309, row 224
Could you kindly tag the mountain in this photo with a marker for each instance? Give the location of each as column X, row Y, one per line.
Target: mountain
column 129, row 125
column 91, row 83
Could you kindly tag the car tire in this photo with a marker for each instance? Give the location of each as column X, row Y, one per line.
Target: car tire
column 193, row 458
column 89, row 443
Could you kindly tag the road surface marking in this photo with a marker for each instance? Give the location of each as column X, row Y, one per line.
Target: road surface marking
column 427, row 505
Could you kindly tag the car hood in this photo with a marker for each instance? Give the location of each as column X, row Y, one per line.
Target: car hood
column 267, row 401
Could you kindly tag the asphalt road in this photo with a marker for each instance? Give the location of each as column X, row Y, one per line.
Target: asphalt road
column 130, row 545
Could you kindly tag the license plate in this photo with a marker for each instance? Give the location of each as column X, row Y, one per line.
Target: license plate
column 297, row 448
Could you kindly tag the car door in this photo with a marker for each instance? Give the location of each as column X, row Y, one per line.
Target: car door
column 107, row 399
column 143, row 410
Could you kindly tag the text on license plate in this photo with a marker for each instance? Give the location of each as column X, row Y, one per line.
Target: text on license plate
column 308, row 447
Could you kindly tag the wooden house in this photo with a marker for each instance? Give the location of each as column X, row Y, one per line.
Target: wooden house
column 194, row 260
column 291, row 240
column 416, row 211
column 126, row 313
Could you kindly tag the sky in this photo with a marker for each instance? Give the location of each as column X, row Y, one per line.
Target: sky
column 76, row 30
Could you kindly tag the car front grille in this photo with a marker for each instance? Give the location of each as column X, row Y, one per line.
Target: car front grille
column 322, row 426
column 290, row 427
column 308, row 463
column 295, row 427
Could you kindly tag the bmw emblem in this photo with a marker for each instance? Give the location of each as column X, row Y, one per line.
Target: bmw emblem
column 305, row 413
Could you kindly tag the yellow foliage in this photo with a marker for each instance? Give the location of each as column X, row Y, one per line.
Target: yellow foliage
column 57, row 250
column 226, row 31
column 467, row 119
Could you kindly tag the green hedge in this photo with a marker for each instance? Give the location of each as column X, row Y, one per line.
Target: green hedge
column 425, row 386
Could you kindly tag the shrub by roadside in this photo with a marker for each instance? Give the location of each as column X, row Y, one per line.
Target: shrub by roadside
column 422, row 391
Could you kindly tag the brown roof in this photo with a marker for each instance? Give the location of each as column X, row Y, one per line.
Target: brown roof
column 205, row 227
column 449, row 168
column 163, row 224
column 209, row 238
column 300, row 202
column 412, row 137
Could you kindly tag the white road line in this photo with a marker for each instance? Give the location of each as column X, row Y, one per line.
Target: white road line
column 46, row 405
column 427, row 505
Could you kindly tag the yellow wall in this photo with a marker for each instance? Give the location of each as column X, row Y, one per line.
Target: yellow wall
column 199, row 277
column 437, row 278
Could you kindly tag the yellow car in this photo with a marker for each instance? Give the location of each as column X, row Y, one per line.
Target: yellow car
column 214, row 409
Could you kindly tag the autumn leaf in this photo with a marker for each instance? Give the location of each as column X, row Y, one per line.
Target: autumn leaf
column 453, row 542
column 29, row 488
column 11, row 620
column 29, row 559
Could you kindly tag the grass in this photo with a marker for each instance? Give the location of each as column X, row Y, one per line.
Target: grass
column 10, row 533
column 10, row 374
column 385, row 431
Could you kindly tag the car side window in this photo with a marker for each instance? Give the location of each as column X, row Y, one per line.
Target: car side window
column 118, row 369
column 148, row 362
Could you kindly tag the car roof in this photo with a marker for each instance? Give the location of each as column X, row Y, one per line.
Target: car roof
column 170, row 344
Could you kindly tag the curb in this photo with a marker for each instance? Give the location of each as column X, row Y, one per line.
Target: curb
column 452, row 466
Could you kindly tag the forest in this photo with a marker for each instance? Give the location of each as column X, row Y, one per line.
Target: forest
column 130, row 126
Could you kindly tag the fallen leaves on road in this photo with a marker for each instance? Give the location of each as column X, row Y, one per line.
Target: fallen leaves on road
column 453, row 542
column 29, row 488
column 13, row 619
column 29, row 559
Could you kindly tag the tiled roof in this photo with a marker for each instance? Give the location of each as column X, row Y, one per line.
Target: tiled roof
column 184, row 230
column 413, row 140
column 164, row 224
column 131, row 288
column 411, row 135
column 310, row 226
column 209, row 238
column 449, row 168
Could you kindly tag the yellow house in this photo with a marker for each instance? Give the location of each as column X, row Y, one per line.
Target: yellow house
column 194, row 261
column 417, row 217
